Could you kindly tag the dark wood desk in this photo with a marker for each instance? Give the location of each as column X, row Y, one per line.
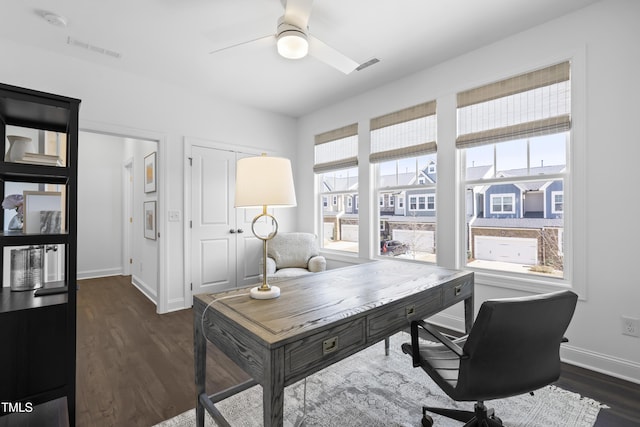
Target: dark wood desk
column 318, row 320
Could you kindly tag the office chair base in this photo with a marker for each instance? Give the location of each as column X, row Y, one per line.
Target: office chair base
column 481, row 417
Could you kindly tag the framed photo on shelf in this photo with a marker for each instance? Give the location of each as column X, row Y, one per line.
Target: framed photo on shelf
column 150, row 173
column 150, row 220
column 42, row 212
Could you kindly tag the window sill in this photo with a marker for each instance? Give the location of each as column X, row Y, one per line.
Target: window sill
column 520, row 282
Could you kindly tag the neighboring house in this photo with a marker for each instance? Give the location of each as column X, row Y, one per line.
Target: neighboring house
column 510, row 222
column 414, row 222
column 340, row 210
column 519, row 223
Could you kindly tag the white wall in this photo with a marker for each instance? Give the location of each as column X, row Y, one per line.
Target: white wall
column 128, row 105
column 605, row 36
column 100, row 159
column 145, row 252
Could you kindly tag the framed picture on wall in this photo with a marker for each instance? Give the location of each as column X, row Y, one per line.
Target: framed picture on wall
column 150, row 173
column 150, row 220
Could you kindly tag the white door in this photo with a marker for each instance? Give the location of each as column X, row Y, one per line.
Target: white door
column 224, row 252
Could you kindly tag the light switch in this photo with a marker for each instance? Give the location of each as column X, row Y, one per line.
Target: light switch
column 174, row 216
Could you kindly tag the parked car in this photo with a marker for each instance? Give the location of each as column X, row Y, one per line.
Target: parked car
column 393, row 247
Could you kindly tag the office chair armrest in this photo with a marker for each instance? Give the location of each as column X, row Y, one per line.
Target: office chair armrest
column 434, row 333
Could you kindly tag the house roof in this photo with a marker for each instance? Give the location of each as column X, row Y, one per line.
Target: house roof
column 478, row 172
column 404, row 178
column 341, row 183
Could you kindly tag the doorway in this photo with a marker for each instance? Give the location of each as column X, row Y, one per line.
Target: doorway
column 110, row 211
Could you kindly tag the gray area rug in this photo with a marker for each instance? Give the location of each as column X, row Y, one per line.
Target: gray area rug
column 370, row 389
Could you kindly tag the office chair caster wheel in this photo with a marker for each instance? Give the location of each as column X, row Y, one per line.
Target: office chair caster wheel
column 427, row 421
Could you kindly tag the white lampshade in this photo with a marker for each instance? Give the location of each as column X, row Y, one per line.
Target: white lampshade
column 264, row 181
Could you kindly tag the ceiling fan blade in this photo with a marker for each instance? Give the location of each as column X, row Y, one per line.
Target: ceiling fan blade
column 297, row 12
column 258, row 40
column 330, row 56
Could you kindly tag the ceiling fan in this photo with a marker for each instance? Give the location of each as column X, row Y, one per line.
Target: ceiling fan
column 293, row 40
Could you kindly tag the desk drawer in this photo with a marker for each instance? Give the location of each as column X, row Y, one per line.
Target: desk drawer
column 322, row 349
column 399, row 316
column 456, row 291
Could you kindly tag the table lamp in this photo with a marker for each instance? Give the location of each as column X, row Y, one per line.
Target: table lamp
column 264, row 181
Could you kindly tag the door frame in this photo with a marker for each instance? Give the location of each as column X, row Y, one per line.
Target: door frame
column 189, row 142
column 162, row 299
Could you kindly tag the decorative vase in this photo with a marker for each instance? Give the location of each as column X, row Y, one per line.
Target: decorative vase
column 16, row 222
column 18, row 145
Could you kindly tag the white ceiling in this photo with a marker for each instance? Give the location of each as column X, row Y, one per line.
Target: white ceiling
column 170, row 40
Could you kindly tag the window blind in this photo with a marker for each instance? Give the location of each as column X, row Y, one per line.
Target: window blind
column 409, row 132
column 531, row 104
column 336, row 149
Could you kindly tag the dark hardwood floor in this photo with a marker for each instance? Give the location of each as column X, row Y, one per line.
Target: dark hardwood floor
column 135, row 367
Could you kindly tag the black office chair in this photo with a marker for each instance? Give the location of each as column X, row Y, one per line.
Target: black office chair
column 513, row 348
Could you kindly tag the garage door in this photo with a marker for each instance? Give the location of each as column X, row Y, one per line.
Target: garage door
column 507, row 249
column 349, row 233
column 419, row 241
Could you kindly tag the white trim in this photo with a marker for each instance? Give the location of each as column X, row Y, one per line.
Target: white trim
column 127, row 214
column 105, row 272
column 627, row 370
column 146, row 290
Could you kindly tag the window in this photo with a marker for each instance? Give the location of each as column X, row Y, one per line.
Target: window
column 431, row 202
column 403, row 147
column 502, row 203
column 336, row 169
column 557, row 202
column 514, row 135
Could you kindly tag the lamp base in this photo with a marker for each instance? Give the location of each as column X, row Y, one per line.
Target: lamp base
column 256, row 293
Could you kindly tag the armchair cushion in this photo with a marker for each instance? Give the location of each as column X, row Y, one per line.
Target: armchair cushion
column 317, row 264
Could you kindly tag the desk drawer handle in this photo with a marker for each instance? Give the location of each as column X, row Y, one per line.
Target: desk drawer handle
column 457, row 290
column 410, row 311
column 329, row 345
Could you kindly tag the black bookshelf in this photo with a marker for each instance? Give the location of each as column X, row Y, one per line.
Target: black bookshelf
column 38, row 327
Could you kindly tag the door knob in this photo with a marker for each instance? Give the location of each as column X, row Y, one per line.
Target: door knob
column 232, row 231
column 240, row 230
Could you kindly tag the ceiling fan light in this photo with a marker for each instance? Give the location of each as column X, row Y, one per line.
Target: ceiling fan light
column 293, row 44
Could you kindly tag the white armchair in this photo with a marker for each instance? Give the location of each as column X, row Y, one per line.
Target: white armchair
column 294, row 254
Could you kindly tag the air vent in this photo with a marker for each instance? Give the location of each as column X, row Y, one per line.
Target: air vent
column 369, row 63
column 77, row 43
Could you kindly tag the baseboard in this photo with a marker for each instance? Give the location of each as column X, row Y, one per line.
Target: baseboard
column 605, row 364
column 146, row 290
column 94, row 274
column 447, row 321
column 176, row 304
column 609, row 365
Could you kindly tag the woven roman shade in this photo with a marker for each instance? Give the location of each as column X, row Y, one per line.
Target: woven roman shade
column 336, row 149
column 531, row 104
column 410, row 132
